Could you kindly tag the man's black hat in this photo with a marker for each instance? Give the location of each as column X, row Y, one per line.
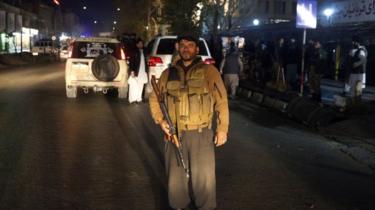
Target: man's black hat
column 189, row 37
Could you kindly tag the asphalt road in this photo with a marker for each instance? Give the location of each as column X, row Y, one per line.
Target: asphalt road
column 98, row 152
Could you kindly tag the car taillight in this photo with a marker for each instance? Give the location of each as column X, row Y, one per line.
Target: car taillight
column 209, row 61
column 123, row 56
column 154, row 61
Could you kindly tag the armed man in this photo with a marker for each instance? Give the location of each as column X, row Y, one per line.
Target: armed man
column 194, row 94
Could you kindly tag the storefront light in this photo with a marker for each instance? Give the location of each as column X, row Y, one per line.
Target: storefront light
column 64, row 37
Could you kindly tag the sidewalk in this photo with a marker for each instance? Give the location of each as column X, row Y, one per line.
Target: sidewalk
column 22, row 59
column 352, row 131
column 332, row 87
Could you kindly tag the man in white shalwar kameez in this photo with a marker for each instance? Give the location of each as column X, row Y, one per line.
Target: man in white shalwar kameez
column 358, row 61
column 138, row 74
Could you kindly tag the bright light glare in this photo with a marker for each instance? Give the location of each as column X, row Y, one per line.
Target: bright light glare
column 64, row 37
column 328, row 12
column 307, row 16
column 256, row 22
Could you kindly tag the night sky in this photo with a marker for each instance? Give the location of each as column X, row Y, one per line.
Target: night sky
column 103, row 11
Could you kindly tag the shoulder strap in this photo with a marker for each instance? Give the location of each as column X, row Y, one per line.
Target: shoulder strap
column 356, row 54
column 173, row 74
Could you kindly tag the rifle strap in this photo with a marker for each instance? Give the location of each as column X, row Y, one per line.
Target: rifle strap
column 178, row 121
column 173, row 76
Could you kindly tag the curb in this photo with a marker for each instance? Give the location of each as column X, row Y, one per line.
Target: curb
column 301, row 109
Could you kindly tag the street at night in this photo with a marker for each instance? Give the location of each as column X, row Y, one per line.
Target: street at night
column 187, row 104
column 99, row 152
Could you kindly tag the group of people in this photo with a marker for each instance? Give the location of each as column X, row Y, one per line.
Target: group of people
column 267, row 61
column 195, row 94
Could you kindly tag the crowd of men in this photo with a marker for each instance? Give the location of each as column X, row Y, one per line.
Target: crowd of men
column 279, row 62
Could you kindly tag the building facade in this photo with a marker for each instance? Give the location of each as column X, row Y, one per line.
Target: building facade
column 22, row 23
column 18, row 29
column 263, row 11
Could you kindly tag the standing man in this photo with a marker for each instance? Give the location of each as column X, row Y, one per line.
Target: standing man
column 231, row 67
column 358, row 60
column 293, row 55
column 316, row 64
column 193, row 92
column 138, row 73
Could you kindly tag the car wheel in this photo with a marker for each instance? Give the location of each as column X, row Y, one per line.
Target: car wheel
column 105, row 68
column 71, row 92
column 122, row 92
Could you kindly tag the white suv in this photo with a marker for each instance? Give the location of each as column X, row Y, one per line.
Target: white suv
column 160, row 52
column 98, row 64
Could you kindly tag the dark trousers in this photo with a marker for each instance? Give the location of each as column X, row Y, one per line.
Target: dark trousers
column 199, row 155
column 314, row 83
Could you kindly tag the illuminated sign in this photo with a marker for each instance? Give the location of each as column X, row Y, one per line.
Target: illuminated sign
column 306, row 14
column 354, row 11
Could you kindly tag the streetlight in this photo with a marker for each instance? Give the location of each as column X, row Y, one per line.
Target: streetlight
column 256, row 22
column 328, row 12
column 115, row 22
column 95, row 22
column 118, row 9
column 84, row 8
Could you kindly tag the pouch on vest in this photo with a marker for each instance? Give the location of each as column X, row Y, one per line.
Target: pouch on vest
column 173, row 95
column 200, row 99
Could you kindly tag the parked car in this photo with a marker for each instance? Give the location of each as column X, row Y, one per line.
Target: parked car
column 98, row 64
column 43, row 46
column 160, row 52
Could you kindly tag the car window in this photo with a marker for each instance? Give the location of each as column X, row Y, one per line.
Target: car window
column 202, row 48
column 166, row 47
column 149, row 47
column 43, row 44
column 94, row 49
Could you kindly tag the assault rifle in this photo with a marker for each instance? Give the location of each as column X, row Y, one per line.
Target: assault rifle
column 172, row 129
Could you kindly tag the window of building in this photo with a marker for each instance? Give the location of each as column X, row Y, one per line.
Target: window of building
column 294, row 7
column 267, row 7
column 280, row 7
column 284, row 7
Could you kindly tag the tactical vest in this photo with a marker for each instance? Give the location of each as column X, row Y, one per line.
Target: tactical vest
column 188, row 98
column 356, row 58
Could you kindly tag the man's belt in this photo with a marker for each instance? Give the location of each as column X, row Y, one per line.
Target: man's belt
column 188, row 127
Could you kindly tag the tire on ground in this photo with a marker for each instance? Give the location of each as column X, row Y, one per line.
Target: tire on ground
column 105, row 68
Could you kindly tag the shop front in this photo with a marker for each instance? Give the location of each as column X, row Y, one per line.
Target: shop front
column 18, row 42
